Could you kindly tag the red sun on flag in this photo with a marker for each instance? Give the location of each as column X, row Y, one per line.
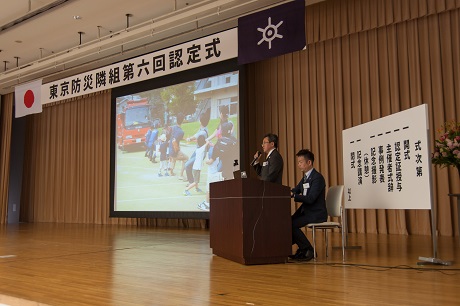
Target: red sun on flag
column 29, row 98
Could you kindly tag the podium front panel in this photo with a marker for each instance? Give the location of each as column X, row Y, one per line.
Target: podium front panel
column 250, row 221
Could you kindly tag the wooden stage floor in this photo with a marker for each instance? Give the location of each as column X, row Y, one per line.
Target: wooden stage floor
column 70, row 264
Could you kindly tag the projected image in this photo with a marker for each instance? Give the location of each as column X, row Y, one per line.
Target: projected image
column 172, row 142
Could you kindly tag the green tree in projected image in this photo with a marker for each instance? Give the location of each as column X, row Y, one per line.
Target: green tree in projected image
column 180, row 98
column 158, row 105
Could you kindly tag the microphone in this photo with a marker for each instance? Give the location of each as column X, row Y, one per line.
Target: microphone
column 255, row 159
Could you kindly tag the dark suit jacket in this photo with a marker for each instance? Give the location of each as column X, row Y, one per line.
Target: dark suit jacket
column 314, row 203
column 273, row 171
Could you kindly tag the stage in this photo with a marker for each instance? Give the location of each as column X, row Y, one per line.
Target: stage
column 73, row 264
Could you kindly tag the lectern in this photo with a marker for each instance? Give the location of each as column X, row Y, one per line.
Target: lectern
column 250, row 221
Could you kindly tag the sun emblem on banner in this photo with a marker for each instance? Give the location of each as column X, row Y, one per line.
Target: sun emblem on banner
column 270, row 32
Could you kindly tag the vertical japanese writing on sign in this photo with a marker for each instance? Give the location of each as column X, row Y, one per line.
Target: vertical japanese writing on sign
column 381, row 165
column 389, row 168
column 360, row 169
column 398, row 166
column 373, row 165
column 418, row 158
column 387, row 162
column 406, row 149
column 352, row 160
column 366, row 164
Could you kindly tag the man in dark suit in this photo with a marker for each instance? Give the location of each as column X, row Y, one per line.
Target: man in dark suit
column 271, row 170
column 311, row 193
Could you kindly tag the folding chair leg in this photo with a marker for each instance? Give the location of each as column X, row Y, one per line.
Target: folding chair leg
column 343, row 218
column 314, row 243
column 325, row 236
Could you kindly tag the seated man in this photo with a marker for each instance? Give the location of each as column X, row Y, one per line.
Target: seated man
column 311, row 193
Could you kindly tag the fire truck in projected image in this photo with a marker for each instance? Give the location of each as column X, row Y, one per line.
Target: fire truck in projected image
column 133, row 122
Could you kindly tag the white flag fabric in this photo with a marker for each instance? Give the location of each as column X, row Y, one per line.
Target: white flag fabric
column 28, row 98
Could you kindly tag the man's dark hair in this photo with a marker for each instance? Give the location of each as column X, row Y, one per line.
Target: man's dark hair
column 272, row 138
column 307, row 154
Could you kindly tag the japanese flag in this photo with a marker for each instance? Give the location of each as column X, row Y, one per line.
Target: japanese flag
column 28, row 99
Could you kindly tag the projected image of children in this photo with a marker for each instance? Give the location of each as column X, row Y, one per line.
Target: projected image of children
column 172, row 142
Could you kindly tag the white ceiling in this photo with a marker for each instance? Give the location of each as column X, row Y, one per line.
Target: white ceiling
column 47, row 44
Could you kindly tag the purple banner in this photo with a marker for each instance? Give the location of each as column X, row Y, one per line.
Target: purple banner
column 272, row 32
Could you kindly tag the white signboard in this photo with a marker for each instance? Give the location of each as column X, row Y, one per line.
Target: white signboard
column 207, row 50
column 387, row 162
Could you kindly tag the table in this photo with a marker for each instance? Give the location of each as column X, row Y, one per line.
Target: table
column 457, row 195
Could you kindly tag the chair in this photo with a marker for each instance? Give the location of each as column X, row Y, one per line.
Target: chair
column 334, row 209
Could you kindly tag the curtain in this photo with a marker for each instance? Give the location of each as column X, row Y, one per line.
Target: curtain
column 364, row 60
column 67, row 179
column 6, row 121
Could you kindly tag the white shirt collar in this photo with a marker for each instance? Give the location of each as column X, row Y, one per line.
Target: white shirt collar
column 307, row 174
column 270, row 152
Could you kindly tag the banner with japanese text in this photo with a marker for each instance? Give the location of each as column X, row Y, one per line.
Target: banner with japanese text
column 204, row 51
column 387, row 162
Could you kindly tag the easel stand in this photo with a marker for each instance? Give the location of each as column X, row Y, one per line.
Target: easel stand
column 433, row 260
column 434, row 232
